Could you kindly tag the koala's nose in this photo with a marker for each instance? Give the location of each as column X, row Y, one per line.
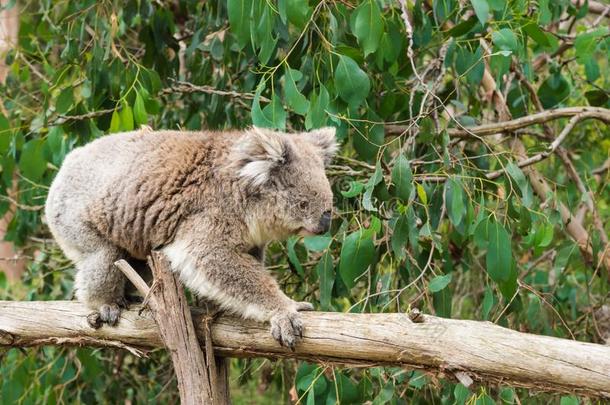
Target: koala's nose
column 325, row 222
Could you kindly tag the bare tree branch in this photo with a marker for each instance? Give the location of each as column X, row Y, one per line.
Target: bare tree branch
column 485, row 352
column 542, row 155
column 602, row 114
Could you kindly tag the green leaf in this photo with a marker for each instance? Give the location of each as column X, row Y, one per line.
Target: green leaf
column 298, row 12
column 263, row 35
column 544, row 235
column 563, row 257
column 402, row 177
column 317, row 243
column 239, row 20
column 499, row 258
column 462, row 28
column 139, row 111
column 367, row 198
column 421, row 193
column 489, row 301
column 2, row 282
column 367, row 26
column 385, row 394
column 357, row 254
column 596, row 98
column 311, row 397
column 368, row 139
column 316, row 115
column 484, row 400
column 126, row 115
column 326, row 276
column 276, row 113
column 586, row 43
column 64, row 100
column 481, row 9
column 352, row 84
column 272, row 116
column 533, row 31
column 6, row 134
column 292, row 255
column 454, row 198
column 461, row 394
column 348, row 393
column 481, row 232
column 439, row 282
column 497, row 5
column 554, row 90
column 400, row 236
column 294, row 98
column 516, row 173
column 571, row 400
column 32, row 162
column 505, row 40
column 507, row 395
column 355, row 188
column 115, row 122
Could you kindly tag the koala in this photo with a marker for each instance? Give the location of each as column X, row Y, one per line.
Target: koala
column 210, row 201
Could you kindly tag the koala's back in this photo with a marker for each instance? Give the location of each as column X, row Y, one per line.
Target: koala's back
column 131, row 189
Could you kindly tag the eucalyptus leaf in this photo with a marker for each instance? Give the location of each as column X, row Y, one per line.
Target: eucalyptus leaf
column 352, row 84
column 402, row 177
column 368, row 25
column 357, row 254
column 439, row 282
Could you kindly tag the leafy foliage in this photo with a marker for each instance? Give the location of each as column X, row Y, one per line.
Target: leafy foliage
column 418, row 222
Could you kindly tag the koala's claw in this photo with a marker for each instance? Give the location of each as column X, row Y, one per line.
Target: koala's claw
column 110, row 314
column 304, row 306
column 286, row 327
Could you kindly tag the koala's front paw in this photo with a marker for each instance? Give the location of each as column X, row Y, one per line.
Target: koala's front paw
column 286, row 327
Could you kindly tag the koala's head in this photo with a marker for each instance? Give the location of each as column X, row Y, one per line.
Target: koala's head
column 285, row 185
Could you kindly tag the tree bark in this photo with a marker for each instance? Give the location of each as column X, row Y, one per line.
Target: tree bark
column 485, row 352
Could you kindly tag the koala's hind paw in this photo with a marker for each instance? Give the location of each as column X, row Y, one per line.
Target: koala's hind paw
column 110, row 313
column 286, row 327
column 304, row 306
column 107, row 313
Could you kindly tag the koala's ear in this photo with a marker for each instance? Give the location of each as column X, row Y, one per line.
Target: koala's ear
column 258, row 154
column 325, row 140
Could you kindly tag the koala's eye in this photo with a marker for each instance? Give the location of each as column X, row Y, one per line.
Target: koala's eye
column 304, row 205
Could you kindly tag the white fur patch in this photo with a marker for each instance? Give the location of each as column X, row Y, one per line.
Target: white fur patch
column 257, row 153
column 184, row 264
column 257, row 172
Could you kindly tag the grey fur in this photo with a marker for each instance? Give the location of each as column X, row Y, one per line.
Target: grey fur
column 210, row 201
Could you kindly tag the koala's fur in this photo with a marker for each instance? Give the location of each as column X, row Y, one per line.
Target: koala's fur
column 210, row 201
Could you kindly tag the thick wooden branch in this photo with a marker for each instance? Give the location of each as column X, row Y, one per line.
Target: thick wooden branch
column 599, row 113
column 485, row 352
column 171, row 314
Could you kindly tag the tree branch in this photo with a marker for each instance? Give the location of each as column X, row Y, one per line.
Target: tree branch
column 542, row 155
column 195, row 375
column 483, row 351
column 602, row 114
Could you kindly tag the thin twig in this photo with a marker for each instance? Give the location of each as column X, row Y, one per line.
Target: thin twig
column 542, row 155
